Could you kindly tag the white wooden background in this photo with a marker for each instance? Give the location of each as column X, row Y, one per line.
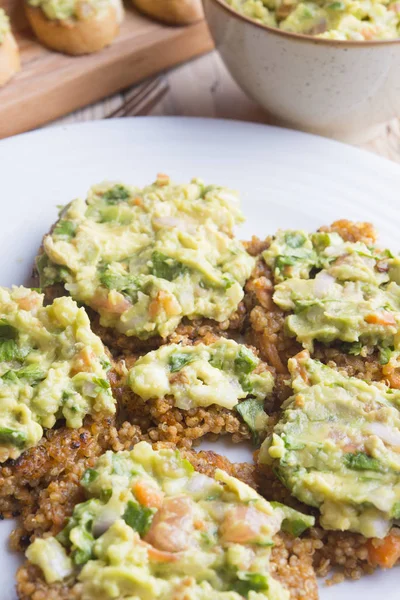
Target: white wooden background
column 204, row 88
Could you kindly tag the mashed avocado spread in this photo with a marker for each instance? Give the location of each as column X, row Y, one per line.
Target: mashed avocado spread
column 71, row 9
column 153, row 528
column 336, row 290
column 146, row 258
column 331, row 19
column 51, row 366
column 4, row 24
column 337, row 447
column 222, row 373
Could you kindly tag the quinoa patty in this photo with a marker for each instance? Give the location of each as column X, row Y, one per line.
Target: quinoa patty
column 290, row 563
column 266, row 329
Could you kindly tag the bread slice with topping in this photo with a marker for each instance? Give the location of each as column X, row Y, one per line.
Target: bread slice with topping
column 75, row 27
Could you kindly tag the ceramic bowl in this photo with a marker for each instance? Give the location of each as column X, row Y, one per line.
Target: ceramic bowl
column 333, row 88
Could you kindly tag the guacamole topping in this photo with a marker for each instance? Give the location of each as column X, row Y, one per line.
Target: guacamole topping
column 4, row 25
column 222, row 373
column 146, row 258
column 336, row 447
column 71, row 9
column 331, row 19
column 336, row 290
column 51, row 366
column 153, row 528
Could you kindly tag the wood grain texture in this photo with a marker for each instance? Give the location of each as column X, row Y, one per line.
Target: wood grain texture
column 51, row 85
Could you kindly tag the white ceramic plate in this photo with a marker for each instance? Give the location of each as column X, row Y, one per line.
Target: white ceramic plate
column 287, row 179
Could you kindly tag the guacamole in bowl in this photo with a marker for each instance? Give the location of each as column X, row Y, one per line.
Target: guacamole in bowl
column 336, row 20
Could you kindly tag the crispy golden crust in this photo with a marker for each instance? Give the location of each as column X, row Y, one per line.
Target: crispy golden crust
column 75, row 37
column 173, row 12
column 9, row 58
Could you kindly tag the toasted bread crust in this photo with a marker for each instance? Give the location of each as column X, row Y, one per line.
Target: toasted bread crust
column 9, row 58
column 173, row 12
column 75, row 37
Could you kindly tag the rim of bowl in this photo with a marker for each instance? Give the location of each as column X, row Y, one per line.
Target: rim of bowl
column 302, row 37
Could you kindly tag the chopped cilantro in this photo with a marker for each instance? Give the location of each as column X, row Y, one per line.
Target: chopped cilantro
column 31, row 374
column 116, row 194
column 246, row 384
column 65, row 229
column 179, row 360
column 246, row 361
column 101, row 383
column 121, row 282
column 206, row 189
column 283, row 261
column 248, row 582
column 138, row 517
column 385, row 355
column 294, row 527
column 295, row 239
column 89, row 476
column 165, row 267
column 355, row 348
column 13, row 437
column 292, row 444
column 251, row 410
column 10, row 351
column 105, row 495
column 7, row 331
column 396, row 511
column 360, row 461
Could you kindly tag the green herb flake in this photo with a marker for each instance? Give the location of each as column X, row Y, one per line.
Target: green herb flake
column 105, row 495
column 10, row 351
column 246, row 384
column 138, row 517
column 178, row 360
column 246, row 361
column 248, row 582
column 165, row 267
column 7, row 331
column 355, row 348
column 292, row 444
column 251, row 411
column 283, row 261
column 102, row 384
column 65, row 229
column 124, row 283
column 12, row 437
column 385, row 355
column 89, row 476
column 31, row 374
column 396, row 511
column 294, row 527
column 63, row 535
column 295, row 239
column 116, row 194
column 360, row 461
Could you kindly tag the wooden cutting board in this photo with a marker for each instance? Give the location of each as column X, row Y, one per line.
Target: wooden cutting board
column 51, row 85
